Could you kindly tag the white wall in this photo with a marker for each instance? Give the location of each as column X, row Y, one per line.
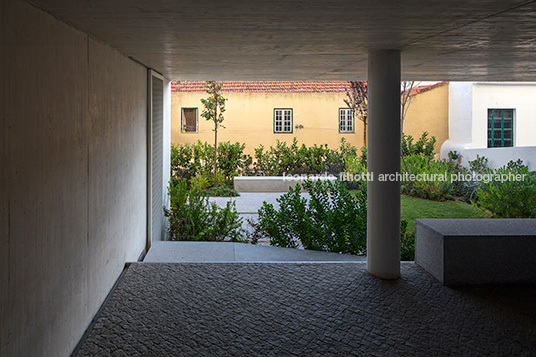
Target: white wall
column 468, row 114
column 518, row 96
column 498, row 157
column 460, row 114
column 72, row 178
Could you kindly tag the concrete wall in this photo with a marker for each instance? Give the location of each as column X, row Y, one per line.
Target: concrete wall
column 73, row 178
column 166, row 175
column 429, row 111
column 249, row 118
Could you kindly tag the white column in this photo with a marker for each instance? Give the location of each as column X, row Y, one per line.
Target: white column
column 383, row 220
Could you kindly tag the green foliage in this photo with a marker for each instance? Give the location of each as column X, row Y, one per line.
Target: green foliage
column 213, row 109
column 407, row 242
column 509, row 198
column 214, row 104
column 423, row 147
column 294, row 159
column 189, row 160
column 431, row 178
column 232, row 161
column 412, row 208
column 478, row 165
column 332, row 220
column 220, row 191
column 205, row 180
column 193, row 218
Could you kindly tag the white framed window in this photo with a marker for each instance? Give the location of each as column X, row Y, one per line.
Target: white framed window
column 189, row 120
column 282, row 120
column 346, row 120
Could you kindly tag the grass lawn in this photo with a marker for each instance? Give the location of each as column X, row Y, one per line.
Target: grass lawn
column 413, row 208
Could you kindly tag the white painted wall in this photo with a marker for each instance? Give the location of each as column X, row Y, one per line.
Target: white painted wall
column 468, row 112
column 518, row 96
column 72, row 178
column 460, row 114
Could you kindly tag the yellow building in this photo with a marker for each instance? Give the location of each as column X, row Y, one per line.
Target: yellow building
column 312, row 112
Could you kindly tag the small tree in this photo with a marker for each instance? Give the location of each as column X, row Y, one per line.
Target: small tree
column 358, row 102
column 405, row 99
column 213, row 109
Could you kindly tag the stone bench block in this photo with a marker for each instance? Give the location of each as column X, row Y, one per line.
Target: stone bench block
column 271, row 183
column 477, row 251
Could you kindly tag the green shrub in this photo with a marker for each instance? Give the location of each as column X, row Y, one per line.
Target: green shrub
column 332, row 220
column 205, row 180
column 197, row 160
column 294, row 159
column 423, row 147
column 232, row 161
column 509, row 198
column 478, row 165
column 193, row 218
column 220, row 191
column 407, row 242
column 432, row 178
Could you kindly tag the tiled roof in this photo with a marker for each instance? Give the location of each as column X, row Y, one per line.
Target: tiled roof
column 280, row 87
column 421, row 89
column 265, row 86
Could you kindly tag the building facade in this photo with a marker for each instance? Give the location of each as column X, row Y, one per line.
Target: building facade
column 312, row 112
column 492, row 119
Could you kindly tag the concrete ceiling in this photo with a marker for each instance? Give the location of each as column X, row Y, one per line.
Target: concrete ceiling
column 315, row 39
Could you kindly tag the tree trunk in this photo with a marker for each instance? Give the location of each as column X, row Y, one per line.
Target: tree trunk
column 215, row 133
column 365, row 131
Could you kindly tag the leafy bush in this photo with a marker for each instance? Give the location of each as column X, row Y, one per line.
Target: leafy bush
column 189, row 160
column 193, row 218
column 430, row 179
column 220, row 191
column 423, row 147
column 355, row 165
column 465, row 189
column 332, row 220
column 294, row 159
column 205, row 180
column 509, row 198
column 407, row 242
column 232, row 161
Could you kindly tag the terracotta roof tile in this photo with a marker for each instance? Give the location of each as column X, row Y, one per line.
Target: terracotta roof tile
column 425, row 88
column 279, row 87
column 265, row 86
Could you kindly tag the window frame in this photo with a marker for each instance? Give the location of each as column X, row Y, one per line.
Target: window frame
column 491, row 139
column 353, row 121
column 196, row 120
column 283, row 121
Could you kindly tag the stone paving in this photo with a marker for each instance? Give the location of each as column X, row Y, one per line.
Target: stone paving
column 310, row 309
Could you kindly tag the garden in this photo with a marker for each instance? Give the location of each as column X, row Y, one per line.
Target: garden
column 334, row 216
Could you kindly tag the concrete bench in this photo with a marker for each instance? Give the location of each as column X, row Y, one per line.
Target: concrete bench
column 477, row 251
column 271, row 183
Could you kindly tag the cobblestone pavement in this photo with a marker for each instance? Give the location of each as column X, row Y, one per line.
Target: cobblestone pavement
column 323, row 309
